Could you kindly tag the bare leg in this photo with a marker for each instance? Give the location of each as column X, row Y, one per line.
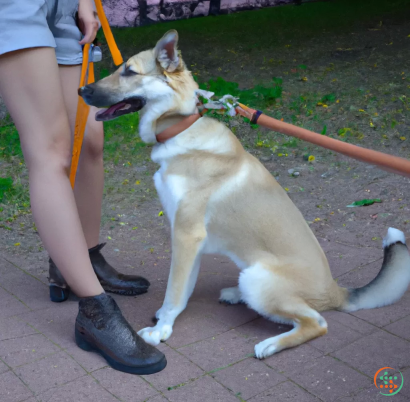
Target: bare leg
column 30, row 85
column 89, row 184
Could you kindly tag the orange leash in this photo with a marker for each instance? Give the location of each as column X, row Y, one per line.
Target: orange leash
column 393, row 164
column 83, row 109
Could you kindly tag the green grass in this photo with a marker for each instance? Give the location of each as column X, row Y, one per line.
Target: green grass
column 9, row 140
column 257, row 29
column 121, row 140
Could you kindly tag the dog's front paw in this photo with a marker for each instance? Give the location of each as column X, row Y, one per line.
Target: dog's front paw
column 266, row 348
column 231, row 296
column 154, row 335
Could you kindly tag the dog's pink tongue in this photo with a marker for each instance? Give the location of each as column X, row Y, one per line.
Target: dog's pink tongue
column 111, row 110
column 115, row 107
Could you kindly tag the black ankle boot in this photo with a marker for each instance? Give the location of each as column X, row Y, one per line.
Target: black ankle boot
column 101, row 327
column 111, row 280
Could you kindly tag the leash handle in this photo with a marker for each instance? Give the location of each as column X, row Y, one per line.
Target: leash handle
column 87, row 77
column 115, row 53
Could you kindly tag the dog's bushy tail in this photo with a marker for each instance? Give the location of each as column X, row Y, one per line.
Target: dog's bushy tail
column 390, row 283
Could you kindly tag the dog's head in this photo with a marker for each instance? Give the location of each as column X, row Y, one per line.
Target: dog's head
column 154, row 81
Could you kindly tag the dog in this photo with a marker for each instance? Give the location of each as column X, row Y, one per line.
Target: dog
column 220, row 199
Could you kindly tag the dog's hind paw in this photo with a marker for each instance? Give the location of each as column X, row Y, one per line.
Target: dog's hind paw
column 230, row 296
column 154, row 335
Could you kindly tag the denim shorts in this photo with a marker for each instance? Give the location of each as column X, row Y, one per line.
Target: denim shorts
column 41, row 23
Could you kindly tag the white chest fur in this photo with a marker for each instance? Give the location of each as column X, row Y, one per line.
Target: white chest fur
column 171, row 189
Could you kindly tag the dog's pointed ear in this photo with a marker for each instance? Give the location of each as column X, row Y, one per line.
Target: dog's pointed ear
column 166, row 51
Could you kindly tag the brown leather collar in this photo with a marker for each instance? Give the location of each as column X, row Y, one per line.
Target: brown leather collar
column 178, row 128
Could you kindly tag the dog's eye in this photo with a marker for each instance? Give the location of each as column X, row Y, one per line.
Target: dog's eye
column 128, row 73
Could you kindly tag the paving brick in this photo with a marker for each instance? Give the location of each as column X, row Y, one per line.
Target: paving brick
column 329, row 379
column 373, row 394
column 49, row 372
column 219, row 351
column 377, row 350
column 261, row 329
column 12, row 389
column 230, row 315
column 127, row 387
column 285, row 392
column 343, row 258
column 18, row 351
column 203, row 390
column 27, row 288
column 405, row 391
column 233, row 315
column 248, row 378
column 288, row 359
column 90, row 361
column 190, row 328
column 350, row 321
column 56, row 323
column 10, row 306
column 3, row 367
column 360, row 276
column 400, row 328
column 209, row 285
column 179, row 370
column 85, row 389
column 139, row 310
column 14, row 328
column 158, row 398
column 35, row 263
column 219, row 265
column 338, row 336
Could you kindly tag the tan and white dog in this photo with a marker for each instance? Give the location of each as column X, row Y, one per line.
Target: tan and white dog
column 220, row 199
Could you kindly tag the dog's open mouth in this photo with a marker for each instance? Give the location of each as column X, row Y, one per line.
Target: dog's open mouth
column 126, row 106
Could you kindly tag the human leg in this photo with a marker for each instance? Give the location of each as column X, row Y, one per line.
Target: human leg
column 30, row 86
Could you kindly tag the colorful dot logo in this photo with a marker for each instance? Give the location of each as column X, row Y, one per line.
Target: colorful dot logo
column 389, row 381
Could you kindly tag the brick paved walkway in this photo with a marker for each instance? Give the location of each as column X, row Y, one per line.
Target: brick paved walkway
column 210, row 352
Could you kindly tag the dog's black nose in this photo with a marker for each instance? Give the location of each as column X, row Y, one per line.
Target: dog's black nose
column 85, row 91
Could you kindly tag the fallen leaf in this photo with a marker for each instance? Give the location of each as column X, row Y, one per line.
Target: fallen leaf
column 160, row 213
column 17, row 244
column 364, row 203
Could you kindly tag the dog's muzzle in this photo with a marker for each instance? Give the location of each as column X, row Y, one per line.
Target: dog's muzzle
column 125, row 106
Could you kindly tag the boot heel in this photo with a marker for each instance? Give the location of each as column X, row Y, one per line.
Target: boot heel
column 81, row 342
column 58, row 294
